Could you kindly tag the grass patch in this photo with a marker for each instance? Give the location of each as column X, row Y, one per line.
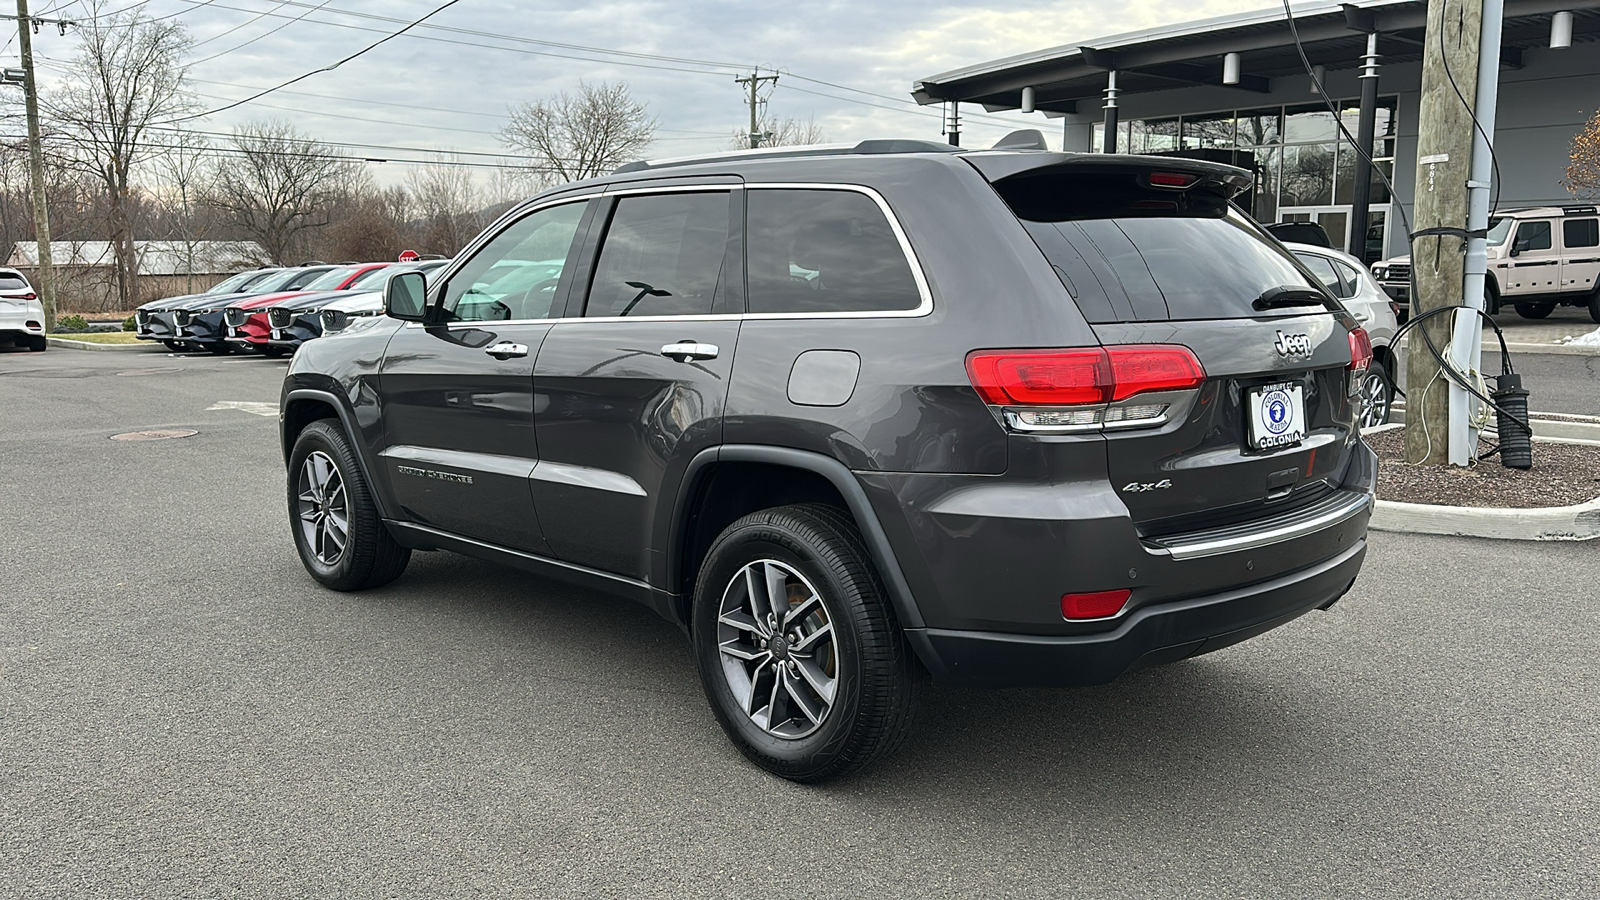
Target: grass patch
column 102, row 337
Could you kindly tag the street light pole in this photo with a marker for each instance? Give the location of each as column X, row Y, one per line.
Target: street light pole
column 41, row 213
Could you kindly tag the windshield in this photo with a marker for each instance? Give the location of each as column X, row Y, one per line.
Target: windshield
column 236, row 283
column 1499, row 230
column 332, row 279
column 374, row 277
column 275, row 281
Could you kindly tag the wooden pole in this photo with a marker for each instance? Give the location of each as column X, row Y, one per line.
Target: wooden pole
column 1444, row 157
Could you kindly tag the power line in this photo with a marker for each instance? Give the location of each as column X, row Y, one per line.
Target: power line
column 245, row 24
column 258, row 37
column 446, row 5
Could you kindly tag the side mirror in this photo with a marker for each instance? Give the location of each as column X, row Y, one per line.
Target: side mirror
column 1516, row 250
column 405, row 297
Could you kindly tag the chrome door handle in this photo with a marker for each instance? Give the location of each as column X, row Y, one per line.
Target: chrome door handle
column 684, row 351
column 507, row 350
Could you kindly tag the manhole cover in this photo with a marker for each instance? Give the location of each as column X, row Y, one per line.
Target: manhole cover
column 161, row 370
column 155, row 434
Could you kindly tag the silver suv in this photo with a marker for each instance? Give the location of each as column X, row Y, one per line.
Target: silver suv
column 1539, row 259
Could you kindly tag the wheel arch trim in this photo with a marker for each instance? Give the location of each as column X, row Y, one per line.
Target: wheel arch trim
column 351, row 431
column 843, row 480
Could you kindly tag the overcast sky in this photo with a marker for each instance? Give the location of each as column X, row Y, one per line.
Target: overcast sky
column 447, row 90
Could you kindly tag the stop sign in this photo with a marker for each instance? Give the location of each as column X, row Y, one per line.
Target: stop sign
column 409, row 256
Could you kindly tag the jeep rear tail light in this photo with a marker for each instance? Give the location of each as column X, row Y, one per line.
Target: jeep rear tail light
column 1360, row 350
column 1083, row 389
column 1096, row 605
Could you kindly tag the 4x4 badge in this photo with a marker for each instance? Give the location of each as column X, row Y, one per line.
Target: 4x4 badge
column 1289, row 345
column 1135, row 487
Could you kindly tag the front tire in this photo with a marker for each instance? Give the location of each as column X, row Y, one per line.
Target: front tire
column 341, row 539
column 801, row 657
column 1531, row 310
column 174, row 346
column 1594, row 305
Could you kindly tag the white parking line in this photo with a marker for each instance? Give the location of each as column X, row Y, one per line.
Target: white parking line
column 253, row 407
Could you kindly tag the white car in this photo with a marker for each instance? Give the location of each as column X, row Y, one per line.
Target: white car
column 338, row 315
column 1346, row 278
column 21, row 313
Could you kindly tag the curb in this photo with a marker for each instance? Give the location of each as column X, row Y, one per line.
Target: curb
column 1491, row 346
column 67, row 344
column 1553, row 523
column 1580, row 522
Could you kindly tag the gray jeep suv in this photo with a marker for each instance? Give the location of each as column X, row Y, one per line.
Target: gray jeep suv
column 855, row 417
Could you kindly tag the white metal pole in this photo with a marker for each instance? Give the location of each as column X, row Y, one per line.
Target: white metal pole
column 1466, row 344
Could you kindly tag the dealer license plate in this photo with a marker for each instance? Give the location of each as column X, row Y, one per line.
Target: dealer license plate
column 1277, row 415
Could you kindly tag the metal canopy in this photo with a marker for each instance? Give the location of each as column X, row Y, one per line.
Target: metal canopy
column 1181, row 56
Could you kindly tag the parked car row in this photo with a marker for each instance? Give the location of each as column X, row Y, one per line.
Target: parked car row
column 268, row 311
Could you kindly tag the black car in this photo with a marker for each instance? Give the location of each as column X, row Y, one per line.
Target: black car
column 855, row 417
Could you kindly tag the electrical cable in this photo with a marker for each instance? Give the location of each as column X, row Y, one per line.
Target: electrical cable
column 441, row 8
column 1445, row 365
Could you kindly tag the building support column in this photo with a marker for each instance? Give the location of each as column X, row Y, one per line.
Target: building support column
column 1366, row 131
column 1109, row 143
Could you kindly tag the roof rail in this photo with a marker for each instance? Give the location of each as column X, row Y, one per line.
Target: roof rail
column 892, row 145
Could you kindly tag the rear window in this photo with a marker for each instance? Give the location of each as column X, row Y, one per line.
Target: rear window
column 13, row 283
column 1129, row 253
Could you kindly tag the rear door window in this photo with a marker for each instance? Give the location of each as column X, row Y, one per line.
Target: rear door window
column 1577, row 234
column 662, row 256
column 824, row 251
column 1136, row 254
column 1328, row 274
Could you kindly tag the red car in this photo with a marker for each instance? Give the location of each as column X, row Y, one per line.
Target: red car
column 246, row 322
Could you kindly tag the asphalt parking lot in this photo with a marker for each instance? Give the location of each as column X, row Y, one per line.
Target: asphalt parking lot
column 185, row 713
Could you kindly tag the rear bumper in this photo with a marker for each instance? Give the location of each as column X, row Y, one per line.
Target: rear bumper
column 1399, row 293
column 1152, row 635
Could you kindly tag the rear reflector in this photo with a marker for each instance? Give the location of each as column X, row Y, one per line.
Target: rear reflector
column 1097, row 605
column 1360, row 350
column 1083, row 376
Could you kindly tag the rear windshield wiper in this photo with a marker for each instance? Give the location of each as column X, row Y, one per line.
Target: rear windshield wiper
column 1290, row 295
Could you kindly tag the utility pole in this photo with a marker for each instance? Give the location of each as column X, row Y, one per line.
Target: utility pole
column 1444, row 156
column 754, row 83
column 41, row 213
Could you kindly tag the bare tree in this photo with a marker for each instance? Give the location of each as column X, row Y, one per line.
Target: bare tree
column 581, row 136
column 446, row 197
column 278, row 184
column 1583, row 172
column 779, row 133
column 124, row 84
column 184, row 170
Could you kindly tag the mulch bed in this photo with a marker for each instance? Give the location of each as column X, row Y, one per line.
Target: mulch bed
column 1562, row 475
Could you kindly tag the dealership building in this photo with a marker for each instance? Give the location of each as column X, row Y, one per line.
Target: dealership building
column 1236, row 89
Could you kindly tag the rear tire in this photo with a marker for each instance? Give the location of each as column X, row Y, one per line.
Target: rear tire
column 1531, row 310
column 38, row 343
column 1377, row 395
column 821, row 683
column 341, row 539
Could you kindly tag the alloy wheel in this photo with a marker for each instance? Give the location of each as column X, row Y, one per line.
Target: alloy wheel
column 1375, row 400
column 778, row 649
column 324, row 508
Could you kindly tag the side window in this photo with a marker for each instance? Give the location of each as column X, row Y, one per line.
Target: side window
column 824, row 251
column 1322, row 267
column 515, row 275
column 662, row 256
column 1532, row 236
column 1579, row 233
column 1350, row 278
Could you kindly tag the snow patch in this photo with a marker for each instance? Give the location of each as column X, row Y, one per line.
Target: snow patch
column 1592, row 339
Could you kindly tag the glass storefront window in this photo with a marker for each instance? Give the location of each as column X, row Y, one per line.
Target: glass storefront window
column 1152, row 135
column 1311, row 122
column 1308, row 175
column 1263, row 162
column 1208, row 132
column 1260, row 127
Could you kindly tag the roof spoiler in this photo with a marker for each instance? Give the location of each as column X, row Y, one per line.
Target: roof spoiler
column 1230, row 180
